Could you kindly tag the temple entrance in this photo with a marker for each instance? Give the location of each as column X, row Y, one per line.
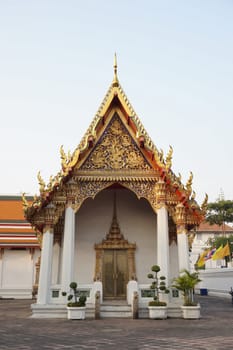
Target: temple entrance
column 115, row 273
column 115, row 261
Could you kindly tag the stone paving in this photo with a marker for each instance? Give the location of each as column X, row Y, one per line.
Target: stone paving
column 214, row 331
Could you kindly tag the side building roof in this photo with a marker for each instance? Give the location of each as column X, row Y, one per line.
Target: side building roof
column 15, row 230
column 205, row 227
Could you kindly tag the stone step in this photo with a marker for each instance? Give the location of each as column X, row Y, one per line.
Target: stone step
column 115, row 311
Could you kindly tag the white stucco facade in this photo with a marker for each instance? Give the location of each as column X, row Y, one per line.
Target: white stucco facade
column 137, row 222
column 17, row 272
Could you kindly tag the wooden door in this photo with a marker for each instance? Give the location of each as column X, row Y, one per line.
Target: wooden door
column 115, row 273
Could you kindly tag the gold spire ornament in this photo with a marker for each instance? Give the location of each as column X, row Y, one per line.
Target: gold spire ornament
column 115, row 78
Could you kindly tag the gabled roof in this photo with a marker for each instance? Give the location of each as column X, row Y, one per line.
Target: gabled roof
column 116, row 102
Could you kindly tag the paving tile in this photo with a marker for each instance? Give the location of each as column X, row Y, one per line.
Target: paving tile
column 214, row 331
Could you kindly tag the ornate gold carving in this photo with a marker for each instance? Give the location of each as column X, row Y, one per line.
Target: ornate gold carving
column 161, row 192
column 88, row 190
column 116, row 175
column 49, row 216
column 116, row 150
column 142, row 189
column 180, row 215
column 71, row 189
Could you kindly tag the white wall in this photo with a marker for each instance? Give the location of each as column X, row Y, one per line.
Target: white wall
column 17, row 269
column 217, row 281
column 137, row 222
column 18, row 272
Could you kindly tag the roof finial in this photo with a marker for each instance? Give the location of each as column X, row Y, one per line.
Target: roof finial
column 115, row 78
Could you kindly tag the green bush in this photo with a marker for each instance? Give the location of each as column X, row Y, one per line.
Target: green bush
column 78, row 302
column 158, row 284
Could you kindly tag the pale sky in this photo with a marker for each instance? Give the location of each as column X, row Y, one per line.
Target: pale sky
column 175, row 64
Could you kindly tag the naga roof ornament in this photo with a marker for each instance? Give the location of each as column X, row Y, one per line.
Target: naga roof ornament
column 169, row 158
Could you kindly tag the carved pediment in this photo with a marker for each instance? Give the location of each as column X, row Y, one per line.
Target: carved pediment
column 116, row 150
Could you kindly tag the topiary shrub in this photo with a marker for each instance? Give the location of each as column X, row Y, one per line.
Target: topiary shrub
column 158, row 285
column 76, row 302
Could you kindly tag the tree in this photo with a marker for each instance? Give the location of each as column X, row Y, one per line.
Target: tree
column 220, row 212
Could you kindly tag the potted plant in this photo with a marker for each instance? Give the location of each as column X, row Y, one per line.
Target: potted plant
column 186, row 283
column 76, row 306
column 157, row 308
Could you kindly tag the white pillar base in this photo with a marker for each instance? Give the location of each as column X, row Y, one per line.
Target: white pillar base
column 132, row 287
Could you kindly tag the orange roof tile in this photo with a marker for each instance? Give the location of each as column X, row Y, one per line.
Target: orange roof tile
column 11, row 208
column 205, row 226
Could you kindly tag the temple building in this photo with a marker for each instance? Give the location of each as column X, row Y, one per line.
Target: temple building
column 115, row 209
column 19, row 251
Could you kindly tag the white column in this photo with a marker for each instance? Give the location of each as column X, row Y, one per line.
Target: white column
column 182, row 238
column 45, row 268
column 163, row 241
column 67, row 268
column 56, row 258
column 183, row 248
